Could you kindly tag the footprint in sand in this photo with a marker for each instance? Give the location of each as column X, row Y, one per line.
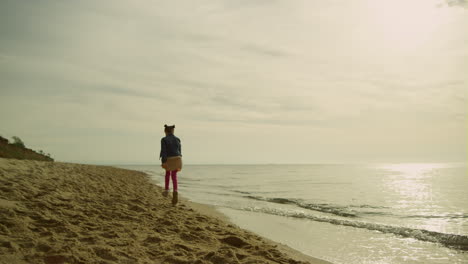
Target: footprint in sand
column 234, row 241
column 105, row 253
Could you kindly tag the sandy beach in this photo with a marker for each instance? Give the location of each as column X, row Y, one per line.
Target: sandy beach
column 53, row 213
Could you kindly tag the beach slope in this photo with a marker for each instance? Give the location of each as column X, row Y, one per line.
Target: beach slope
column 54, row 213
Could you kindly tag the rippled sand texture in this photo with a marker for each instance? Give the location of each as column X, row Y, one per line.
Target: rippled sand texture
column 72, row 213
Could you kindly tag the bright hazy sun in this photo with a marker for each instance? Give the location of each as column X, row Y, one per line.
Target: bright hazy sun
column 405, row 25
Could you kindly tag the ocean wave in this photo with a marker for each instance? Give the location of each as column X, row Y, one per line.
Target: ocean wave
column 449, row 240
column 242, row 192
column 152, row 172
column 444, row 216
column 347, row 211
column 368, row 206
column 324, row 208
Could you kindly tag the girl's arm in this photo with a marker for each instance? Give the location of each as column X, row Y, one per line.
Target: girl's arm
column 180, row 148
column 163, row 154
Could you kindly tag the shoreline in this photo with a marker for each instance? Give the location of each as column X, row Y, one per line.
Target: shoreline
column 212, row 211
column 53, row 213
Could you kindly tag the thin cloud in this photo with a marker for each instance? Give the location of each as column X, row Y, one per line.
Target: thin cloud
column 266, row 51
column 460, row 3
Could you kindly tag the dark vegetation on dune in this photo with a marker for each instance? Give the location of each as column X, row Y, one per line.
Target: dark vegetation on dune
column 17, row 150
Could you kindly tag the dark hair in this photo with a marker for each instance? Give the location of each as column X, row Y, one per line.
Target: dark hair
column 169, row 129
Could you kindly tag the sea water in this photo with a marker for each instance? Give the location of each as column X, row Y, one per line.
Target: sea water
column 372, row 213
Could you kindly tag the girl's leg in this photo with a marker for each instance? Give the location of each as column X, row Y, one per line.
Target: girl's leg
column 174, row 180
column 167, row 180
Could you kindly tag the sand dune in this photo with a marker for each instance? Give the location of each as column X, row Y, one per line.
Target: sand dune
column 72, row 213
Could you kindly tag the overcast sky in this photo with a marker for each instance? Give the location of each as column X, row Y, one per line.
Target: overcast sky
column 244, row 81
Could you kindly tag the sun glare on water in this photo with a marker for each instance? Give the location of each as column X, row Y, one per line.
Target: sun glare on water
column 407, row 180
column 414, row 170
column 413, row 192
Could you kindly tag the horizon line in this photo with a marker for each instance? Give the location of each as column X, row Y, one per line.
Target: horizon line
column 269, row 163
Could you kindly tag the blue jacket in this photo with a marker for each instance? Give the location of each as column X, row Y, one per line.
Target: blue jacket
column 170, row 147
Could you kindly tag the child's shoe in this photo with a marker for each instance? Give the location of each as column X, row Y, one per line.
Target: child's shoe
column 175, row 197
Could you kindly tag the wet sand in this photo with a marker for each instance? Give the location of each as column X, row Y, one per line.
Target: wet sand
column 52, row 212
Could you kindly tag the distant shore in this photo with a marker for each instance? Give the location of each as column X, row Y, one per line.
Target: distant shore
column 52, row 212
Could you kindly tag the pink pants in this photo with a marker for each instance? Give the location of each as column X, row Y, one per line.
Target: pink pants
column 173, row 175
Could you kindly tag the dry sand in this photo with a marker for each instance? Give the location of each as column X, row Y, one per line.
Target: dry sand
column 73, row 213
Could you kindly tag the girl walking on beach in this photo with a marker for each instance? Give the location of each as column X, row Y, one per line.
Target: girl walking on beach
column 171, row 158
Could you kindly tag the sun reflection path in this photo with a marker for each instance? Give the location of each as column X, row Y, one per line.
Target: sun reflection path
column 411, row 187
column 411, row 182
